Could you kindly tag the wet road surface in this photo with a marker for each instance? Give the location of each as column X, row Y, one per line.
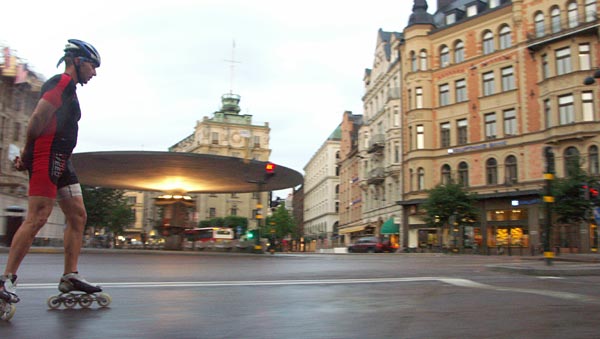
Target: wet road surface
column 158, row 295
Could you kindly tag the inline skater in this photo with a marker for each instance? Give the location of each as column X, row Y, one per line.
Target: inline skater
column 51, row 138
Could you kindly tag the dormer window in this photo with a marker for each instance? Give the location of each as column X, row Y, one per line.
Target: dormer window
column 472, row 10
column 494, row 3
column 450, row 18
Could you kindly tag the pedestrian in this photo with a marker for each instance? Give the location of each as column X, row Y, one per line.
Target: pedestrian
column 51, row 138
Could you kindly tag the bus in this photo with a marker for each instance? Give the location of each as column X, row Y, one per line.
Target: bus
column 209, row 237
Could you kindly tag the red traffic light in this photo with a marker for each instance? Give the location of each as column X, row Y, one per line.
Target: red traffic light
column 270, row 168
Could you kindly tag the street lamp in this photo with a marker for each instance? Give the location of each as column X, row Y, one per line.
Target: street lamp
column 591, row 79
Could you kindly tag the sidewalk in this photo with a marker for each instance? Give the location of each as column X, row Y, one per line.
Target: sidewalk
column 562, row 265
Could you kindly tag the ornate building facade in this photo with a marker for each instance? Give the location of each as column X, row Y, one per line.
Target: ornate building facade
column 487, row 86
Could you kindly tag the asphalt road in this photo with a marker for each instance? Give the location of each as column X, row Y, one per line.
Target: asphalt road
column 305, row 296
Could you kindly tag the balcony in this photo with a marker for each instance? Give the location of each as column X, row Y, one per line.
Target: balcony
column 538, row 41
column 377, row 143
column 376, row 176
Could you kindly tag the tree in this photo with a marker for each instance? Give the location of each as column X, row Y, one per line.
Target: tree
column 281, row 222
column 107, row 208
column 449, row 203
column 572, row 195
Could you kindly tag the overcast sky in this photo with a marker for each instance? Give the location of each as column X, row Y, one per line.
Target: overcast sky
column 301, row 64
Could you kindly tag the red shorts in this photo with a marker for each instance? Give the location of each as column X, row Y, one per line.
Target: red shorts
column 50, row 172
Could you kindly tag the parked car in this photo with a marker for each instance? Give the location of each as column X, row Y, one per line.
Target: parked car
column 371, row 245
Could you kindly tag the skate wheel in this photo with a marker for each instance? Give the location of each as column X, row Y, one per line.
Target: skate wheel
column 8, row 312
column 70, row 301
column 53, row 302
column 103, row 299
column 85, row 301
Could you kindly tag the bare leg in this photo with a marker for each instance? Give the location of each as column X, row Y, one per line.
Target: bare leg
column 37, row 214
column 74, row 210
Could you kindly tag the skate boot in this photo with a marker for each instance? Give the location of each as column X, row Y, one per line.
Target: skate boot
column 8, row 296
column 75, row 290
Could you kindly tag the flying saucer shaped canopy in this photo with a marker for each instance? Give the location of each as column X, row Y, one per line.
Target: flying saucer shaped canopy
column 180, row 172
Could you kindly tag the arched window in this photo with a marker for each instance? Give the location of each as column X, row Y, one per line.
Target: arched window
column 572, row 14
column 423, row 60
column 505, row 37
column 413, row 61
column 539, row 24
column 444, row 56
column 463, row 174
column 446, row 174
column 511, row 170
column 421, row 179
column 411, row 174
column 593, row 161
column 491, row 171
column 571, row 157
column 459, row 52
column 555, row 19
column 488, row 42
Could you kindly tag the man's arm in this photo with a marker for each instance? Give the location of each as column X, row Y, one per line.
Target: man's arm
column 41, row 116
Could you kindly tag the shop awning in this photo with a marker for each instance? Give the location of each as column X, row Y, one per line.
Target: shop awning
column 351, row 229
column 389, row 227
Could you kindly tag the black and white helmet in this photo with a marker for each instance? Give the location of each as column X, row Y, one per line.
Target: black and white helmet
column 77, row 48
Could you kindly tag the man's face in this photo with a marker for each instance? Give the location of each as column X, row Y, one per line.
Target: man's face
column 87, row 70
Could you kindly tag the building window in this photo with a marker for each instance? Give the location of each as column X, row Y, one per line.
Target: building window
column 590, row 10
column 446, row 174
column 460, row 88
column 508, row 79
column 396, row 111
column 539, row 25
column 420, row 179
column 571, row 157
column 410, row 138
column 459, row 52
column 566, row 110
column 490, row 126
column 563, row 61
column 494, row 3
column 587, row 104
column 445, row 134
column 215, row 138
column 545, row 67
column 233, row 211
column 491, row 171
column 505, row 37
column 463, row 174
column 548, row 113
column 410, row 180
column 555, row 20
column 471, row 10
column 444, row 56
column 462, row 131
column 585, row 60
column 488, row 83
column 444, row 95
column 511, row 169
column 510, row 122
column 488, row 42
column 419, row 97
column 572, row 14
column 256, row 141
column 17, row 134
column 450, row 18
column 593, row 161
column 423, row 60
column 212, row 212
column 413, row 61
column 420, row 137
column 396, row 152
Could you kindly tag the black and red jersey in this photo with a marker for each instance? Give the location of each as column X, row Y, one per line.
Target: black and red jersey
column 60, row 135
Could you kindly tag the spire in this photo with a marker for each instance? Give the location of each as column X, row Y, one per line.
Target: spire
column 419, row 14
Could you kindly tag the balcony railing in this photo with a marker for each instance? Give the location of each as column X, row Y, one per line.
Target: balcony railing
column 377, row 143
column 376, row 176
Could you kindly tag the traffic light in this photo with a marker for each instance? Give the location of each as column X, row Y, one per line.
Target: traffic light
column 250, row 234
column 258, row 212
column 269, row 170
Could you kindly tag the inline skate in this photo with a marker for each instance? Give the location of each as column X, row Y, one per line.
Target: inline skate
column 8, row 296
column 77, row 291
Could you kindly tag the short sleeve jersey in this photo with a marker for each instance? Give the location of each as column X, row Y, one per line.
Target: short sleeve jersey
column 60, row 136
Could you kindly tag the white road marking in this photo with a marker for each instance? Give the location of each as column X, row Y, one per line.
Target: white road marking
column 466, row 283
